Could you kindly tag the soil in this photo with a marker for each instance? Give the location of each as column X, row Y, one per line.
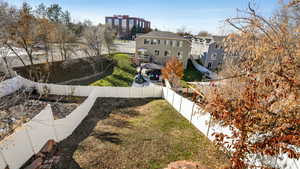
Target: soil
column 135, row 133
column 62, row 71
column 24, row 104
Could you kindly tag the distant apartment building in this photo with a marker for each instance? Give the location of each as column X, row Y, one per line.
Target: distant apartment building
column 127, row 26
column 158, row 47
column 209, row 49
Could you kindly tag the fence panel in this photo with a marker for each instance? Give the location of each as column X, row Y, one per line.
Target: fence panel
column 165, row 92
column 83, row 90
column 200, row 119
column 62, row 128
column 136, row 92
column 186, row 108
column 2, row 163
column 148, row 92
column 122, row 92
column 76, row 117
column 177, row 101
column 41, row 129
column 17, row 148
column 9, row 86
column 170, row 96
column 158, row 92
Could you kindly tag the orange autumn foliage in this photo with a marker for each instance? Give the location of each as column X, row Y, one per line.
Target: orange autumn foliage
column 262, row 106
column 173, row 71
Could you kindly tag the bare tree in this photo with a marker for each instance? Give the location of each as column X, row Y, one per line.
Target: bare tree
column 203, row 33
column 109, row 37
column 94, row 40
column 9, row 17
column 65, row 38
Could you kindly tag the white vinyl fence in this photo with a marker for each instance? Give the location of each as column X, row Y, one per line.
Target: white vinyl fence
column 201, row 120
column 27, row 140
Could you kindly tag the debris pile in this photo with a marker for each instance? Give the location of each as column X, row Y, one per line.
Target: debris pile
column 47, row 158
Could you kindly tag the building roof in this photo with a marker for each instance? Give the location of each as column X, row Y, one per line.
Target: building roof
column 219, row 39
column 162, row 34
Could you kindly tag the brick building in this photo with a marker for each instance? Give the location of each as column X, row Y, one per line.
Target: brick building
column 127, row 26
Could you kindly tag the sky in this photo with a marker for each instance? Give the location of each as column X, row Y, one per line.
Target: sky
column 167, row 15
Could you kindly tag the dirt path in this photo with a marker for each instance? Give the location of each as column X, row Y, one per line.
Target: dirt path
column 135, row 134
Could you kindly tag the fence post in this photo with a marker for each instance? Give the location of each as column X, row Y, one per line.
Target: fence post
column 153, row 93
column 180, row 104
column 208, row 126
column 173, row 99
column 167, row 93
column 192, row 112
column 53, row 125
column 28, row 137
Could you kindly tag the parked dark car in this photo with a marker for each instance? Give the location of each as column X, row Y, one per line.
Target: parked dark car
column 153, row 74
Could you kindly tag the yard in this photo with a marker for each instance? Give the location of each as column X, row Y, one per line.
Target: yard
column 123, row 73
column 135, row 134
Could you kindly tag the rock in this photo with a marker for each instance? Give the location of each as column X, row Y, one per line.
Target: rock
column 185, row 165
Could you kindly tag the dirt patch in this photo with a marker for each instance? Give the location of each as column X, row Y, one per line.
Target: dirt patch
column 24, row 104
column 135, row 134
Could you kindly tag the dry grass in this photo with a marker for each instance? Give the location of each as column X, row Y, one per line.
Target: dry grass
column 136, row 133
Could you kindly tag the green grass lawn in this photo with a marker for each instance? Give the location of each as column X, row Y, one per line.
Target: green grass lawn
column 122, row 75
column 191, row 74
column 137, row 134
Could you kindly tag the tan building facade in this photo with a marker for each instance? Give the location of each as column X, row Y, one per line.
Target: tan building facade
column 158, row 47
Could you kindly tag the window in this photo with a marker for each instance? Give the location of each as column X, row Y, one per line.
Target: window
column 117, row 22
column 214, row 56
column 171, row 42
column 156, row 52
column 167, row 42
column 158, row 42
column 153, row 41
column 109, row 21
column 131, row 23
column 146, row 41
column 209, row 65
column 124, row 23
column 179, row 55
column 167, row 53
